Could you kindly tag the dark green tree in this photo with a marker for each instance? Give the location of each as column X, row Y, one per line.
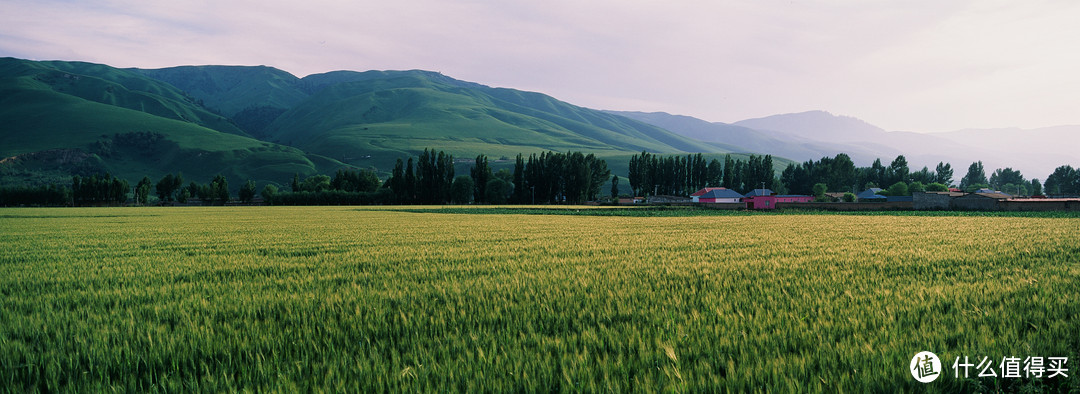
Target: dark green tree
column 315, row 183
column 897, row 171
column 898, row 189
column 819, row 191
column 943, row 173
column 1036, row 187
column 937, row 187
column 497, row 191
column 728, row 176
column 714, row 174
column 411, row 183
column 521, row 188
column 923, row 176
column 268, row 192
column 397, row 181
column 1006, row 176
column 480, row 173
column 142, row 190
column 219, row 189
column 247, row 191
column 461, row 191
column 166, row 187
column 1065, row 180
column 975, row 176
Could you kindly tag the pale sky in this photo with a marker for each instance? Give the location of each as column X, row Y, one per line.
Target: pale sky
column 914, row 65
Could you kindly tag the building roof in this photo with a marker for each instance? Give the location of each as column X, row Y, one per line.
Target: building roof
column 721, row 193
column 870, row 193
column 950, row 194
column 759, row 192
column 705, row 190
column 996, row 196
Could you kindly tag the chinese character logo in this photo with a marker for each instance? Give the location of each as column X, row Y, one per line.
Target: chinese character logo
column 925, row 367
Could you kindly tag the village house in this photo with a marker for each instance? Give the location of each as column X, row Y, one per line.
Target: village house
column 933, row 200
column 766, row 199
column 979, row 201
column 716, row 195
column 871, row 195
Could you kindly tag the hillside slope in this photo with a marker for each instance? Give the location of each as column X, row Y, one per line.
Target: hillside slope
column 61, row 118
column 384, row 115
column 58, row 119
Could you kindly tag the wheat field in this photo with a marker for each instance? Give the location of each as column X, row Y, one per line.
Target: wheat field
column 378, row 299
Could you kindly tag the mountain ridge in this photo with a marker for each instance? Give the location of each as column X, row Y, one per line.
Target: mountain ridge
column 371, row 118
column 284, row 125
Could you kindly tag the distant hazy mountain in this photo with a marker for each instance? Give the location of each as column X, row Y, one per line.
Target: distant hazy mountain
column 814, row 134
column 815, row 125
column 743, row 139
column 1033, row 152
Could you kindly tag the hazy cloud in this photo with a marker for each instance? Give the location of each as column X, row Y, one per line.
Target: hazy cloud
column 912, row 65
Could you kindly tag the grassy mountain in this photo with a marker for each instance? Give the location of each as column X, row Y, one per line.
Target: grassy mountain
column 381, row 115
column 63, row 118
column 115, row 87
column 233, row 89
column 251, row 96
column 60, row 118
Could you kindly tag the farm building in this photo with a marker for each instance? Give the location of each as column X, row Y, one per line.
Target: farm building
column 1040, row 204
column 835, row 196
column 759, row 192
column 991, row 191
column 871, row 195
column 766, row 199
column 979, row 201
column 716, row 195
column 933, row 200
column 769, row 202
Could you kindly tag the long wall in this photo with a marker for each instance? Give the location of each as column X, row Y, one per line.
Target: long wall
column 848, row 206
column 1035, row 205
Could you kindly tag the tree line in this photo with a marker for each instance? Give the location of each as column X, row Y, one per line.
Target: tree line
column 652, row 174
column 839, row 174
column 545, row 178
column 347, row 187
column 548, row 177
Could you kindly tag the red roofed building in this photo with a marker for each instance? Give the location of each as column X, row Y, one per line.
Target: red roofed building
column 766, row 199
column 716, row 195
